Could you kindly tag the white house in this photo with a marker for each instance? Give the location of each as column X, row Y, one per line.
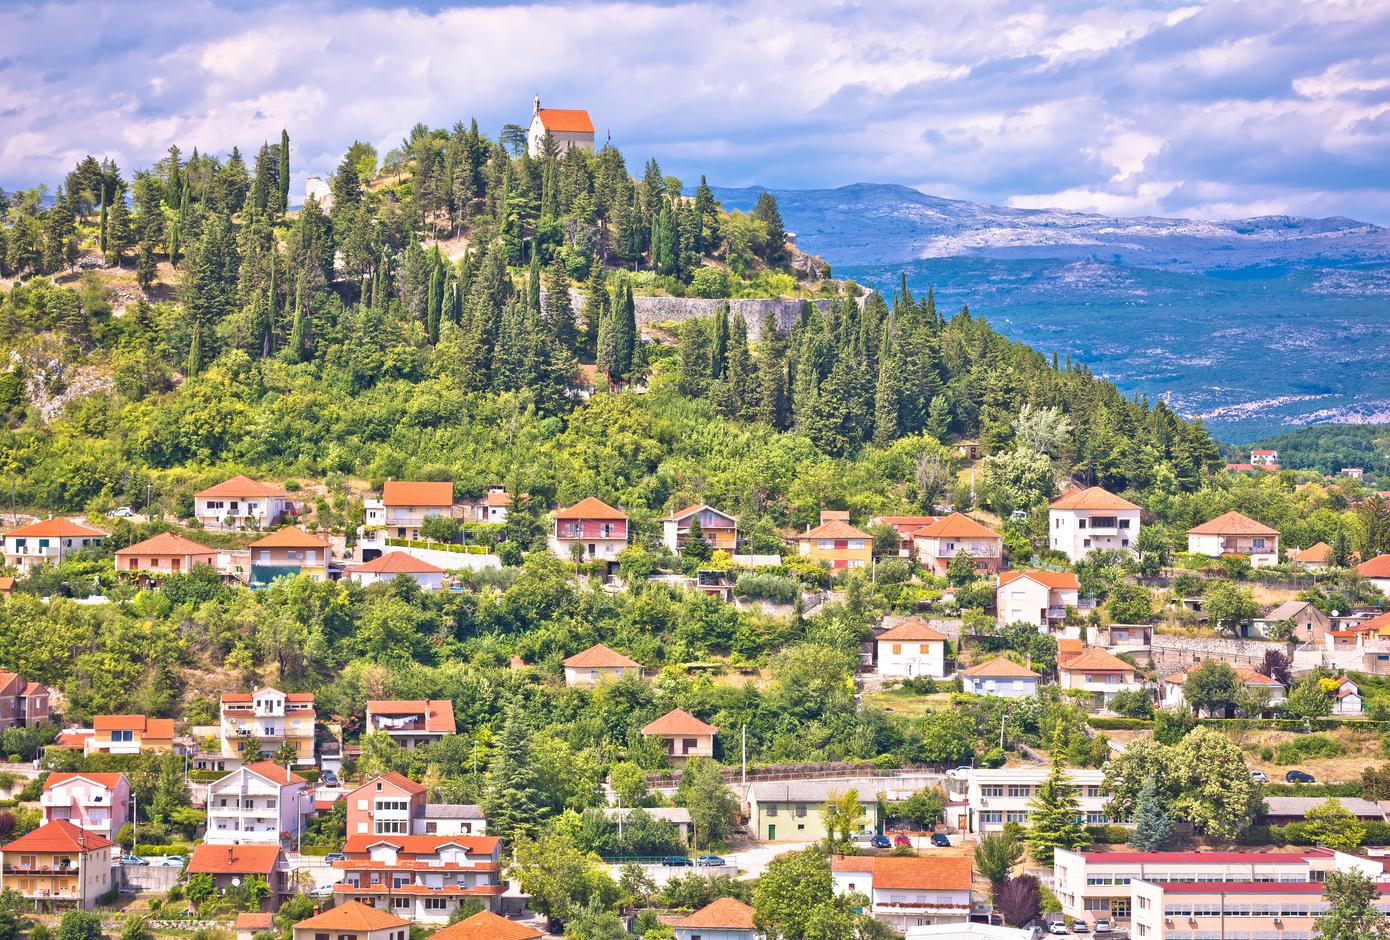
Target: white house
column 567, row 127
column 1040, row 598
column 1233, row 534
column 1172, row 688
column 907, row 892
column 258, row 804
column 722, row 919
column 911, row 649
column 996, row 797
column 494, row 505
column 1377, row 571
column 1001, row 677
column 242, row 502
column 683, row 735
column 389, row 566
column 1347, row 698
column 47, row 542
column 411, row 723
column 1083, row 521
column 598, row 663
column 1099, row 673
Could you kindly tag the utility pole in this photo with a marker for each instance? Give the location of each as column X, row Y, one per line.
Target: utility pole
column 743, row 747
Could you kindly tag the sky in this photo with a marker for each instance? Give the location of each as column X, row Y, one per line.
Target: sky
column 1217, row 110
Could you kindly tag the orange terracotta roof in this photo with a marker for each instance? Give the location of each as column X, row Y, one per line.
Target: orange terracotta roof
column 438, row 713
column 254, row 921
column 679, row 721
column 110, row 780
column 398, row 563
column 421, row 845
column 35, row 688
column 906, row 522
column 721, row 914
column 151, row 727
column 274, row 772
column 7, row 583
column 956, row 526
column 1246, row 676
column 1095, row 659
column 56, row 528
column 834, row 529
column 1000, row 667
column 1317, row 553
column 405, row 493
column 1377, row 567
column 165, row 543
column 599, row 656
column 58, row 836
column 397, row 778
column 1056, row 580
column 352, row 916
column 73, row 737
column 234, row 859
column 1092, row 497
column 566, row 120
column 486, row 925
column 1070, row 646
column 290, row 537
column 240, row 487
column 910, row 629
column 1374, row 624
column 909, row 874
column 589, row 507
column 499, row 499
column 1232, row 523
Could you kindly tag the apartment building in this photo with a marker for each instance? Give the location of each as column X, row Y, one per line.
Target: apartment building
column 22, row 703
column 269, row 718
column 1099, row 884
column 1003, row 795
column 907, row 892
column 1250, row 909
column 93, row 802
column 410, row 723
column 241, row 503
column 393, row 804
column 59, row 866
column 257, row 804
column 1037, row 598
column 129, row 734
column 47, row 542
column 1092, row 519
column 421, row 878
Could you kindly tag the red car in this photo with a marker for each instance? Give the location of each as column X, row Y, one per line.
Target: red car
column 901, row 839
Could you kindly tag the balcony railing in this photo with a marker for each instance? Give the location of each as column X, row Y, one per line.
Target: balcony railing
column 41, row 870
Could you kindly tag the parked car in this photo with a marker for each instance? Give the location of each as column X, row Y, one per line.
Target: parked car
column 902, row 839
column 940, row 840
column 167, row 861
column 714, row 861
column 1102, row 925
column 1058, row 927
column 1259, row 776
column 329, row 777
column 332, row 857
column 1298, row 776
column 958, row 773
column 676, row 861
column 881, row 842
column 1080, row 927
column 123, row 512
column 133, row 860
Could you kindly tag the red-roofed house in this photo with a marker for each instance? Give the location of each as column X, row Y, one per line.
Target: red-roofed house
column 393, row 804
column 941, row 541
column 288, row 551
column 129, row 734
column 257, row 804
column 59, row 866
column 242, row 502
column 353, row 921
column 907, row 892
column 911, row 648
column 906, row 527
column 47, row 542
column 389, row 566
column 1039, row 598
column 685, row 735
column 231, row 865
column 1376, row 571
column 411, row 723
column 1233, row 534
column 248, row 925
column 1265, row 459
column 591, row 527
column 722, row 919
column 1172, row 687
column 423, row 878
column 1101, row 674
column 835, row 543
column 1315, row 557
column 494, row 505
column 719, row 528
column 165, row 553
column 486, row 925
column 94, row 802
column 565, row 128
column 598, row 663
column 1000, row 676
column 1091, row 519
column 22, row 703
column 269, row 717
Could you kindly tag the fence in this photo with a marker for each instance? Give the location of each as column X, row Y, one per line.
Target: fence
column 829, row 771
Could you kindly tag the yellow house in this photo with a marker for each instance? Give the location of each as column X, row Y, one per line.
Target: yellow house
column 129, row 734
column 59, row 866
column 835, row 543
column 269, row 717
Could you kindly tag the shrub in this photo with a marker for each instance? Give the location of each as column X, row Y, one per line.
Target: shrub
column 768, row 587
column 1305, row 746
column 1119, row 724
column 1112, row 835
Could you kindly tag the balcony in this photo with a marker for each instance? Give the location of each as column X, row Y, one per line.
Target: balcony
column 65, row 871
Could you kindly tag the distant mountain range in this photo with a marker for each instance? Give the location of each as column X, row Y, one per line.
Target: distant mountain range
column 1254, row 325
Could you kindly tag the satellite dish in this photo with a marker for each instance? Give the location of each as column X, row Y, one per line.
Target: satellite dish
column 1336, row 613
column 236, row 882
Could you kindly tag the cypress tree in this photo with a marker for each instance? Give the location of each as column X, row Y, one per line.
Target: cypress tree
column 886, row 391
column 435, row 302
column 511, row 798
column 772, row 375
column 740, row 383
column 195, row 351
column 298, row 329
column 559, row 310
column 271, row 312
column 102, row 235
column 719, row 355
column 284, row 177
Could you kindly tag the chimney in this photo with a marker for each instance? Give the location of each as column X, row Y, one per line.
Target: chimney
column 536, row 105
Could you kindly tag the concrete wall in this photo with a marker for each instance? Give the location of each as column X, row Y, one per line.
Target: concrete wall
column 652, row 310
column 153, row 878
column 1169, row 651
column 449, row 561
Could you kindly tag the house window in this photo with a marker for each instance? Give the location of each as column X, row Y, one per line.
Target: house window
column 1124, row 523
column 993, row 789
column 1081, row 523
column 897, row 649
column 771, row 809
column 401, row 902
column 436, row 904
column 122, row 737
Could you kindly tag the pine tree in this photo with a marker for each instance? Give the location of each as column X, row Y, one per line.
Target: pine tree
column 1152, row 825
column 284, row 175
column 772, row 375
column 886, row 390
column 559, row 309
column 1056, row 820
column 117, row 228
column 696, row 546
column 146, row 269
column 511, row 799
column 298, row 332
column 101, row 235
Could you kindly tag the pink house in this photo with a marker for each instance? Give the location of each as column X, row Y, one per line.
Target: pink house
column 97, row 803
column 597, row 528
